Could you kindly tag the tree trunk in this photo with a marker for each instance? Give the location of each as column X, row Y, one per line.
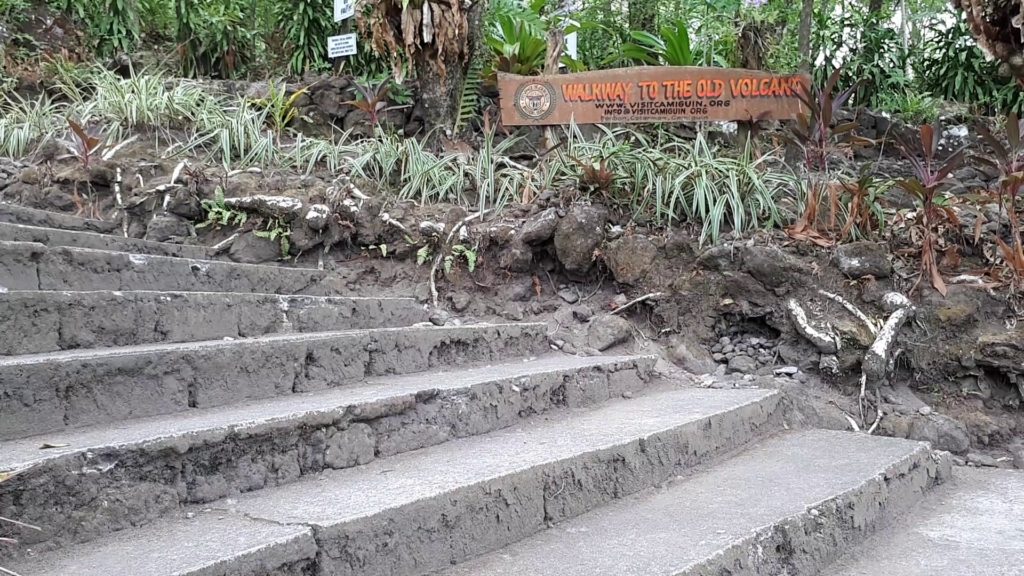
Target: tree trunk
column 803, row 42
column 556, row 43
column 751, row 47
column 441, row 94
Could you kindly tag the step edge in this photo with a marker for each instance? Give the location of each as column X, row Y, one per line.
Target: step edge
column 937, row 469
column 140, row 258
column 99, row 354
column 152, row 243
column 297, row 417
column 186, row 294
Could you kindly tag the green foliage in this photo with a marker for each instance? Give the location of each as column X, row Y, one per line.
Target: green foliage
column 878, row 62
column 913, row 106
column 156, row 19
column 407, row 168
column 517, row 38
column 862, row 203
column 598, row 44
column 220, row 214
column 422, row 255
column 214, row 38
column 469, row 100
column 24, row 123
column 671, row 48
column 280, row 106
column 112, row 25
column 14, row 12
column 716, row 191
column 117, row 27
column 460, row 251
column 305, row 26
column 517, row 48
column 952, row 67
column 674, row 180
column 279, row 231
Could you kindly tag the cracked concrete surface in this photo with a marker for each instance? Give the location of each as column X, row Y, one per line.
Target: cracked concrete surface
column 33, row 266
column 83, row 239
column 45, row 321
column 150, row 467
column 54, row 391
column 787, row 505
column 416, row 512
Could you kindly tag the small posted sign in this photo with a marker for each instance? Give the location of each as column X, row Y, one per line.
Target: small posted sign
column 344, row 9
column 344, row 45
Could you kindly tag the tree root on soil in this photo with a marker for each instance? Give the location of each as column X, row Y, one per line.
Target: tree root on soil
column 878, row 362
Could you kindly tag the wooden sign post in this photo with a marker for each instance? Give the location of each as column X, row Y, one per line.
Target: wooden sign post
column 649, row 94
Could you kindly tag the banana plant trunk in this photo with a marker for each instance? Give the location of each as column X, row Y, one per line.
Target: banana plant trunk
column 441, row 89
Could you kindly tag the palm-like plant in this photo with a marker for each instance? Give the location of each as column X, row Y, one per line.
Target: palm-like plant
column 814, row 133
column 670, row 47
column 930, row 173
column 1009, row 161
column 818, row 139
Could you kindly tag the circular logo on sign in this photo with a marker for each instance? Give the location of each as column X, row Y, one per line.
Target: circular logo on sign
column 535, row 100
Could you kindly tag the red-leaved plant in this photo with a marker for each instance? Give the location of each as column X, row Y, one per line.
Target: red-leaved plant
column 814, row 134
column 373, row 98
column 1009, row 161
column 930, row 173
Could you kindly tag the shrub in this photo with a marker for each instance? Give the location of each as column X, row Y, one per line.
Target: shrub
column 113, row 25
column 952, row 67
column 305, row 26
column 214, row 38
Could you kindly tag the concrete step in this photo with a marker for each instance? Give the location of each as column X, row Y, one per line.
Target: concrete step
column 790, row 506
column 424, row 510
column 15, row 214
column 973, row 526
column 45, row 321
column 34, row 266
column 97, row 241
column 55, row 391
column 146, row 468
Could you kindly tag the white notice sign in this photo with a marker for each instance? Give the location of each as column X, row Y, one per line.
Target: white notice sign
column 344, row 45
column 343, row 9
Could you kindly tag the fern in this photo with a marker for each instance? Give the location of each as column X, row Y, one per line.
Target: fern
column 468, row 254
column 422, row 255
column 470, row 98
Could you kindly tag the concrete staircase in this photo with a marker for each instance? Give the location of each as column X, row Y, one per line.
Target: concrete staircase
column 182, row 416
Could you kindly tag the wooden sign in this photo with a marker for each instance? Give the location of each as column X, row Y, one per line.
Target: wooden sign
column 649, row 94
